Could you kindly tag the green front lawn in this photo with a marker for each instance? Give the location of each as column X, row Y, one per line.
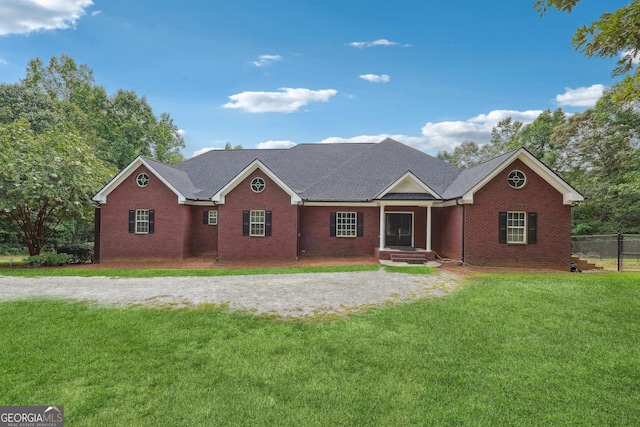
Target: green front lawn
column 185, row 272
column 505, row 350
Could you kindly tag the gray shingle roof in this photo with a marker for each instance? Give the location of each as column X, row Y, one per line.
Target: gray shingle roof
column 468, row 178
column 327, row 172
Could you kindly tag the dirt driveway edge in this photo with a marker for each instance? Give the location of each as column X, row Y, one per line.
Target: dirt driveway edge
column 287, row 295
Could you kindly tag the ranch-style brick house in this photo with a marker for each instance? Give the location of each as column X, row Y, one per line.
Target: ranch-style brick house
column 332, row 200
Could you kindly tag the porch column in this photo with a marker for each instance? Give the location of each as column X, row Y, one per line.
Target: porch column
column 428, row 228
column 382, row 227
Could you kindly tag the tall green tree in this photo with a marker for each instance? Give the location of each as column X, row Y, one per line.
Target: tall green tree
column 228, row 146
column 120, row 127
column 504, row 136
column 536, row 137
column 46, row 179
column 18, row 102
column 467, row 154
column 614, row 35
column 601, row 157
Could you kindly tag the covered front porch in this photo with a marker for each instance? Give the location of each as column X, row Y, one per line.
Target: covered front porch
column 406, row 231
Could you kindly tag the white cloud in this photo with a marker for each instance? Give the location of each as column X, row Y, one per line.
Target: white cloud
column 449, row 134
column 266, row 60
column 287, row 100
column 23, row 17
column 276, row 144
column 375, row 78
column 96, row 12
column 580, row 97
column 379, row 42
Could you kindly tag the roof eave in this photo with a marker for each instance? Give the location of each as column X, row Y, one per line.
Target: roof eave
column 570, row 194
column 219, row 197
column 399, row 180
column 101, row 196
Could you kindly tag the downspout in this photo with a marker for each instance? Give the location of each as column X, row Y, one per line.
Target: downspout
column 463, row 225
column 298, row 230
column 215, row 204
column 97, row 228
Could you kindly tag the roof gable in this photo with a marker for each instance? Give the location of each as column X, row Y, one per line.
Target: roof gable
column 177, row 181
column 473, row 179
column 407, row 184
column 219, row 196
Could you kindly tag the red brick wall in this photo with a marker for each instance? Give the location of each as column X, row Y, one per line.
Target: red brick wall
column 172, row 232
column 449, row 231
column 232, row 245
column 315, row 239
column 205, row 237
column 553, row 247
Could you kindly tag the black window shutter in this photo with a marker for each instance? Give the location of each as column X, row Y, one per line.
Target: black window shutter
column 132, row 221
column 532, row 225
column 245, row 223
column 502, row 227
column 267, row 223
column 152, row 221
column 332, row 224
column 360, row 224
column 205, row 217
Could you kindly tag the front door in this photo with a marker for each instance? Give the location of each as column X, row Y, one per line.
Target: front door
column 399, row 229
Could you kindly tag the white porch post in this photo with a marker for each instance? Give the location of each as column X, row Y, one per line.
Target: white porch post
column 382, row 228
column 428, row 228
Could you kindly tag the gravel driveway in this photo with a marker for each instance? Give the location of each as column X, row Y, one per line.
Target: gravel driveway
column 289, row 295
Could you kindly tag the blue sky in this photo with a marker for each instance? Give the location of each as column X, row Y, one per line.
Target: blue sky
column 270, row 74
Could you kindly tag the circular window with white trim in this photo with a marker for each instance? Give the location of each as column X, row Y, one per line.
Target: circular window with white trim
column 142, row 180
column 258, row 185
column 517, row 179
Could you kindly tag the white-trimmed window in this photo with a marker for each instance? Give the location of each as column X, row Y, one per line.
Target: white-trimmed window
column 256, row 223
column 258, row 185
column 142, row 180
column 346, row 224
column 212, row 218
column 517, row 179
column 142, row 221
column 516, row 227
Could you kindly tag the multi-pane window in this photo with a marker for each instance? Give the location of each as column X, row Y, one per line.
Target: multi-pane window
column 516, row 227
column 256, row 223
column 142, row 221
column 346, row 224
column 516, row 179
column 213, row 218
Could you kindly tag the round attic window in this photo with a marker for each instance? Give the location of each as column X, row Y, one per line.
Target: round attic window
column 142, row 180
column 517, row 179
column 257, row 185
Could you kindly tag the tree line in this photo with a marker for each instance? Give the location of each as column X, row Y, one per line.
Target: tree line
column 597, row 151
column 62, row 137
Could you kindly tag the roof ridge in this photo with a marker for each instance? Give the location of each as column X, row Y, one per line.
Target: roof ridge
column 341, row 165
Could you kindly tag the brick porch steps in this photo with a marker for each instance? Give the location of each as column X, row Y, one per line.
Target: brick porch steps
column 583, row 264
column 412, row 256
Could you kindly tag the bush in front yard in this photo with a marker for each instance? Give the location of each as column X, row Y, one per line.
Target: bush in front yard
column 47, row 260
column 79, row 253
